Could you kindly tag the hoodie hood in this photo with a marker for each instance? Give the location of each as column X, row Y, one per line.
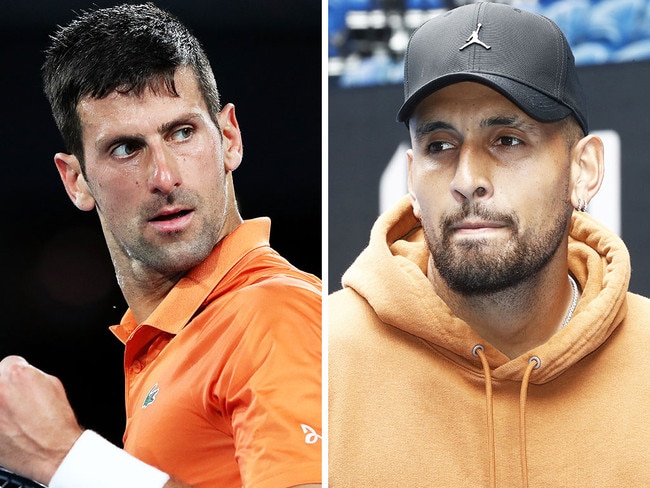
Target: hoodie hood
column 390, row 274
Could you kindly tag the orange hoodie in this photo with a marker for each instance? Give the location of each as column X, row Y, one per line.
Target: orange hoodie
column 412, row 402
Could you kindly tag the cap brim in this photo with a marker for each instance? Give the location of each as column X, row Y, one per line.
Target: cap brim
column 537, row 105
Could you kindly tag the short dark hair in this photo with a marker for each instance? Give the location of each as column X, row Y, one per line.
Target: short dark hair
column 128, row 48
column 572, row 130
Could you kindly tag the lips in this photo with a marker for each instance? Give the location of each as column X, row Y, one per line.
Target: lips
column 172, row 220
column 170, row 215
column 476, row 225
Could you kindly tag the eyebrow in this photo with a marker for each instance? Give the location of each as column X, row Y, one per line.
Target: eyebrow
column 183, row 119
column 422, row 130
column 513, row 121
column 139, row 138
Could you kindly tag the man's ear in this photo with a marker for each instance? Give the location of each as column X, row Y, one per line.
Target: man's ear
column 587, row 170
column 74, row 181
column 232, row 141
column 414, row 201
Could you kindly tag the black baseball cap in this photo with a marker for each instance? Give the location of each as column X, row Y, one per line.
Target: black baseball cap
column 523, row 55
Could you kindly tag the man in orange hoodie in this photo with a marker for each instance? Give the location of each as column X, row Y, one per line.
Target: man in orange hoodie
column 486, row 336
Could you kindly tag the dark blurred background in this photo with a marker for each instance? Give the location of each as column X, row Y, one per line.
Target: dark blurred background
column 61, row 294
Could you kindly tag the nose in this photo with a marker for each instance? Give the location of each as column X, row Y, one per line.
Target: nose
column 164, row 170
column 472, row 177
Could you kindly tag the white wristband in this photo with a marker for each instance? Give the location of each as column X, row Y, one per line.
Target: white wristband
column 94, row 461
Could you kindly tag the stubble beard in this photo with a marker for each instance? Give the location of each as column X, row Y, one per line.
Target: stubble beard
column 180, row 252
column 176, row 257
column 482, row 266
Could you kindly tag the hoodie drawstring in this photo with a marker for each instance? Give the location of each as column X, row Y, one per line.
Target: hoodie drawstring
column 533, row 363
column 479, row 351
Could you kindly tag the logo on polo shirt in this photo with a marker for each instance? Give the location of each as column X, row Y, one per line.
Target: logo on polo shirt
column 311, row 436
column 151, row 396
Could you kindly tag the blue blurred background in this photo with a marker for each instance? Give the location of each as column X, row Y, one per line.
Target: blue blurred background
column 367, row 38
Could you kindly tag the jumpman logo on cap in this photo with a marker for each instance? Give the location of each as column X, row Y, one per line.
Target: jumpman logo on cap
column 473, row 39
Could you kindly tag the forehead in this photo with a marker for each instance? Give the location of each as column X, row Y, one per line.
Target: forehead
column 470, row 105
column 465, row 98
column 132, row 113
column 185, row 83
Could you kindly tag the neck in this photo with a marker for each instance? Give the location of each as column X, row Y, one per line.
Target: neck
column 517, row 319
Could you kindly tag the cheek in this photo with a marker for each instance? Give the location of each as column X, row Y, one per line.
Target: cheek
column 204, row 162
column 429, row 191
column 115, row 203
column 210, row 181
column 429, row 209
column 208, row 175
column 114, row 194
column 546, row 191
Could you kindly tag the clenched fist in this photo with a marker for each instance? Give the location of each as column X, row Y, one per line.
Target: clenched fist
column 37, row 424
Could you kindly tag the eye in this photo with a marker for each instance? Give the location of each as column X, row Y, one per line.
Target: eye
column 439, row 146
column 125, row 150
column 182, row 134
column 509, row 141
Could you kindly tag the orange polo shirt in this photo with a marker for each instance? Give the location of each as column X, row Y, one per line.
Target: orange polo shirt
column 223, row 379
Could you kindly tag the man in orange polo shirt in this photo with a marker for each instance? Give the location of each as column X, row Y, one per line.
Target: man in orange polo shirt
column 222, row 335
